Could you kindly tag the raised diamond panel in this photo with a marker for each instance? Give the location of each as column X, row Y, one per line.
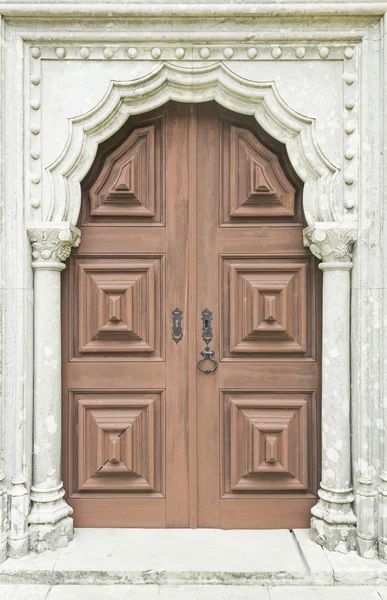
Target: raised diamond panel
column 119, row 441
column 119, row 306
column 130, row 182
column 265, row 441
column 264, row 306
column 254, row 183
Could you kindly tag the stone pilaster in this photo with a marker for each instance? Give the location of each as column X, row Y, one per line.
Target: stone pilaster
column 18, row 518
column 50, row 522
column 3, row 519
column 333, row 521
column 382, row 523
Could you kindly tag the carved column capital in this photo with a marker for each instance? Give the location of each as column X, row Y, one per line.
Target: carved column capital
column 52, row 243
column 332, row 243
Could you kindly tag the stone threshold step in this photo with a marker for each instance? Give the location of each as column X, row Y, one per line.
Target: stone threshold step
column 193, row 557
column 189, row 592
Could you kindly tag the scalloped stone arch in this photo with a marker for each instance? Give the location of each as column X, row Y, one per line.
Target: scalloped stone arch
column 217, row 82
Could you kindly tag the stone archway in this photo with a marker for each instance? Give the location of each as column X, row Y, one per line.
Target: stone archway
column 201, row 84
column 328, row 236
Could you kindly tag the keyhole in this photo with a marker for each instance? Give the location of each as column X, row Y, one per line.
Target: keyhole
column 206, row 323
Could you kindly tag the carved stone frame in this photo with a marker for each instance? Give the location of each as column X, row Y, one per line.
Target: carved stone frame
column 331, row 232
column 329, row 238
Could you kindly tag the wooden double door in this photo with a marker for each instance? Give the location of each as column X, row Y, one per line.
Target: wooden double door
column 187, row 208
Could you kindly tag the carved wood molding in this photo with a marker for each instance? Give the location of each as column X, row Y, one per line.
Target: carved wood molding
column 258, row 185
column 217, row 82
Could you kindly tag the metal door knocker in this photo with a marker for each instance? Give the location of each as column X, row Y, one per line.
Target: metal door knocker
column 207, row 354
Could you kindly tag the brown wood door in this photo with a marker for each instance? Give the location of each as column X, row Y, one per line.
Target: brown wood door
column 191, row 207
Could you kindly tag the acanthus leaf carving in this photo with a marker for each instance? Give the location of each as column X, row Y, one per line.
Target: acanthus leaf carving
column 331, row 242
column 52, row 242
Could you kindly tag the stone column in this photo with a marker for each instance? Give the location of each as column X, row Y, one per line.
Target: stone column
column 3, row 491
column 333, row 521
column 50, row 522
column 3, row 518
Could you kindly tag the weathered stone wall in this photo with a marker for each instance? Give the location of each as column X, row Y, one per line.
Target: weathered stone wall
column 313, row 74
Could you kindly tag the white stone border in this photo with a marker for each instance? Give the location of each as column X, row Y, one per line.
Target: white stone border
column 328, row 237
column 366, row 398
column 104, row 10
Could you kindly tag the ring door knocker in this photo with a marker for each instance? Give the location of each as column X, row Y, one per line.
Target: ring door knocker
column 207, row 354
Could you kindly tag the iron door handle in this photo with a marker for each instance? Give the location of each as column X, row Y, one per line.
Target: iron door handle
column 207, row 354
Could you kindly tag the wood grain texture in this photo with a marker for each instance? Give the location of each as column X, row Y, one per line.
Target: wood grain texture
column 264, row 306
column 178, row 200
column 119, row 441
column 208, row 201
column 126, row 184
column 191, row 206
column 192, row 332
column 114, row 328
column 258, row 413
column 265, row 441
column 257, row 185
column 119, row 301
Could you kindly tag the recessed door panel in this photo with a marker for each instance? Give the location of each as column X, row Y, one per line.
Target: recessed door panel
column 129, row 187
column 265, row 441
column 264, row 306
column 120, row 442
column 119, row 306
column 253, row 183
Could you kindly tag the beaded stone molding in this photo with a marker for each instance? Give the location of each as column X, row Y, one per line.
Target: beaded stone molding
column 142, row 51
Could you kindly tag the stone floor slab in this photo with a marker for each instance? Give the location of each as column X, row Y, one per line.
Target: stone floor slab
column 196, row 592
column 351, row 569
column 324, row 593
column 211, row 592
column 187, row 557
column 188, row 550
column 24, row 592
column 317, row 562
column 31, row 562
column 149, row 592
column 103, row 592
